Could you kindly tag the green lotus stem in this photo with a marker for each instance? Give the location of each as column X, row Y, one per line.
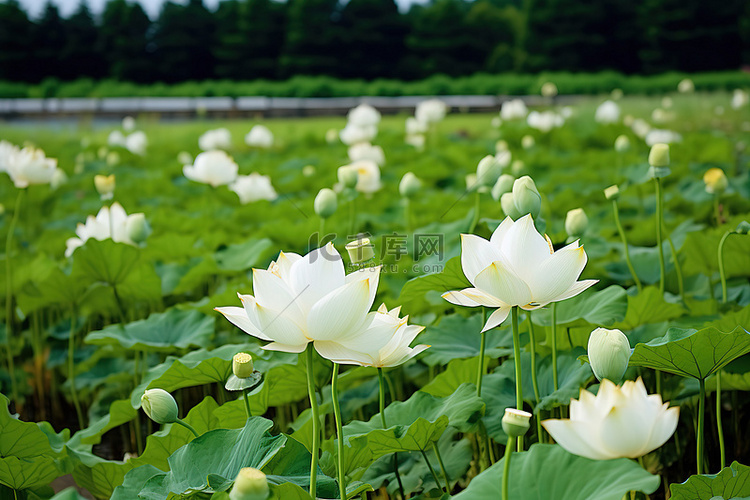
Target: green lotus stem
column 339, row 429
column 555, row 384
column 719, row 426
column 722, row 273
column 659, row 216
column 482, row 346
column 322, row 231
column 407, row 214
column 315, row 421
column 247, row 403
column 717, row 212
column 432, row 471
column 534, row 382
column 9, row 295
column 701, row 417
column 624, row 239
column 506, row 467
column 517, row 360
column 475, row 219
column 677, row 268
column 187, row 426
column 352, row 217
column 381, row 391
column 442, row 467
column 657, row 376
column 71, row 368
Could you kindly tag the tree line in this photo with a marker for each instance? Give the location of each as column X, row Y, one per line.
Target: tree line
column 369, row 39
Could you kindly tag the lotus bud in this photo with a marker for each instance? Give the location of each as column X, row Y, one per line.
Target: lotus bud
column 113, row 158
column 2, row 209
column 409, row 185
column 360, row 250
column 503, row 185
column 686, row 86
column 332, row 136
column 666, row 102
column 716, row 181
column 612, row 192
column 527, row 142
column 508, row 204
column 325, row 203
column 58, row 178
column 743, row 227
column 501, row 146
column 250, row 484
column 526, row 197
column 616, row 94
column 609, row 353
column 488, row 171
column 160, row 406
column 105, row 186
column 128, row 123
column 101, row 153
column 517, row 167
column 348, row 177
column 516, row 422
column 549, row 89
column 658, row 158
column 242, row 365
column 576, row 222
column 308, row 170
column 471, row 182
column 137, row 227
column 622, row 143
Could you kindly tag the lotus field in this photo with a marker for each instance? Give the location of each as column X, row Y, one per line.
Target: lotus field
column 547, row 303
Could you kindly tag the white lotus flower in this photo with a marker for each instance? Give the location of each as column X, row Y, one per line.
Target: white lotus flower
column 363, row 115
column 431, row 111
column 110, row 222
column 414, row 126
column 366, row 151
column 116, row 138
column 618, row 422
column 30, row 166
column 514, row 109
column 128, row 124
column 353, row 134
column 416, row 140
column 383, row 343
column 544, row 121
column 640, row 127
column 657, row 136
column 517, row 267
column 253, row 187
column 368, row 175
column 740, row 98
column 299, row 300
column 607, row 112
column 259, row 137
column 219, row 138
column 212, row 167
column 136, row 143
column 686, row 86
column 6, row 150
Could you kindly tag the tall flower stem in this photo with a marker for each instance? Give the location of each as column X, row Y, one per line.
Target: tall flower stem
column 719, row 426
column 517, row 360
column 432, row 471
column 247, row 403
column 722, row 273
column 555, row 384
column 381, row 386
column 677, row 268
column 71, row 367
column 315, row 420
column 442, row 467
column 187, row 426
column 482, row 347
column 339, row 429
column 699, row 432
column 9, row 296
column 624, row 239
column 475, row 219
column 659, row 217
column 534, row 382
column 506, row 467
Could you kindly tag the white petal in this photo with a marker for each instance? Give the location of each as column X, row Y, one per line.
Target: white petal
column 472, row 297
column 476, row 254
column 575, row 289
column 499, row 234
column 337, row 353
column 317, row 274
column 401, row 356
column 271, row 292
column 502, row 283
column 497, row 317
column 372, row 274
column 663, row 429
column 576, row 438
column 340, row 312
column 279, row 327
column 524, row 248
column 557, row 274
column 238, row 317
column 294, row 349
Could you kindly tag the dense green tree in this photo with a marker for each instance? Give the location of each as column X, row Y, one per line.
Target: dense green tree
column 372, row 39
column 79, row 54
column 15, row 40
column 123, row 38
column 498, row 29
column 312, row 41
column 249, row 39
column 49, row 37
column 183, row 38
